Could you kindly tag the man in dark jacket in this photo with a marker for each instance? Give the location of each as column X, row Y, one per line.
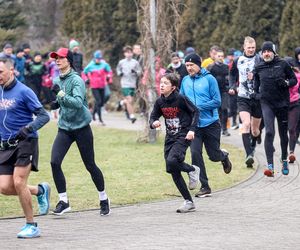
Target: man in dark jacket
column 273, row 77
column 177, row 66
column 221, row 71
column 77, row 56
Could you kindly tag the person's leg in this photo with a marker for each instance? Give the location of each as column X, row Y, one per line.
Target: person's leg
column 294, row 113
column 197, row 157
column 282, row 121
column 246, row 119
column 7, row 186
column 233, row 110
column 20, row 177
column 181, row 185
column 60, row 148
column 269, row 117
column 97, row 106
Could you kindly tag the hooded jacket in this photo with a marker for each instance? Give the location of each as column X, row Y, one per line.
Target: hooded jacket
column 73, row 112
column 297, row 62
column 203, row 91
column 268, row 79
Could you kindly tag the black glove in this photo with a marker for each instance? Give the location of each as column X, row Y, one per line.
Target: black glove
column 121, row 74
column 283, row 83
column 87, row 81
column 55, row 89
column 133, row 71
column 23, row 133
column 54, row 105
column 254, row 96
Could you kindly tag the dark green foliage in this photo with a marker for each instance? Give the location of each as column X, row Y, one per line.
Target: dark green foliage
column 101, row 24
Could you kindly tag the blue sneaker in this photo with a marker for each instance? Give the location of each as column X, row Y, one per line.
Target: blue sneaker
column 44, row 199
column 285, row 167
column 29, row 231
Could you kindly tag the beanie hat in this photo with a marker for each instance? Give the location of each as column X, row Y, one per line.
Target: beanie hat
column 73, row 43
column 189, row 50
column 8, row 46
column 268, row 45
column 194, row 58
column 18, row 50
column 63, row 52
column 97, row 54
column 26, row 46
column 231, row 52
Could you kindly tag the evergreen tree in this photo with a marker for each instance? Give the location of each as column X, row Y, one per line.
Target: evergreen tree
column 289, row 28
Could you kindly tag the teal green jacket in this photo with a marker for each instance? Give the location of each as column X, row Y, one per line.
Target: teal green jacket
column 73, row 113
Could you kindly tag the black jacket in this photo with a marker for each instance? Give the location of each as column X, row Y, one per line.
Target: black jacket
column 180, row 114
column 221, row 73
column 269, row 82
column 77, row 62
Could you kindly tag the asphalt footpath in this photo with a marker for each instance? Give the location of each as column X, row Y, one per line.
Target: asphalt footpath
column 260, row 213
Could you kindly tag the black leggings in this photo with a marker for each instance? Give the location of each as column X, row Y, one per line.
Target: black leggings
column 99, row 102
column 84, row 140
column 294, row 113
column 269, row 115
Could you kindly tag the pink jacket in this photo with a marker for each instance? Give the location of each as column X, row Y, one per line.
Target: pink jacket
column 294, row 91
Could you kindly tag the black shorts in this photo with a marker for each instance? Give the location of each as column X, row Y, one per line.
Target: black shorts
column 251, row 106
column 26, row 152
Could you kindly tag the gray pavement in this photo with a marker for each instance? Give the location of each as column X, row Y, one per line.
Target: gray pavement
column 260, row 213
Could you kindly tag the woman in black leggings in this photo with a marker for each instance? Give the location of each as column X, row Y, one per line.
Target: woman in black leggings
column 73, row 126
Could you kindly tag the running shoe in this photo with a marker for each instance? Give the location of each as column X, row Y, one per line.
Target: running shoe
column 203, row 192
column 269, row 171
column 227, row 166
column 285, row 167
column 44, row 199
column 292, row 157
column 105, row 207
column 29, row 231
column 225, row 133
column 194, row 178
column 249, row 161
column 61, row 208
column 187, row 206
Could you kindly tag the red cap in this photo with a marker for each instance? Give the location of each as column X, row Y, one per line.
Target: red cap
column 62, row 52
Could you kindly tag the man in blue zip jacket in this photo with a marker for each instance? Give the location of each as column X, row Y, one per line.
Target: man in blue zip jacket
column 202, row 89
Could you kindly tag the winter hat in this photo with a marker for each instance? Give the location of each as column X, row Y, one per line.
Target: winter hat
column 8, row 46
column 73, row 43
column 26, row 46
column 189, row 50
column 268, row 45
column 231, row 52
column 63, row 52
column 19, row 50
column 194, row 58
column 98, row 54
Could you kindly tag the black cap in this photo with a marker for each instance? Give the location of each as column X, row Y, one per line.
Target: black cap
column 268, row 45
column 194, row 58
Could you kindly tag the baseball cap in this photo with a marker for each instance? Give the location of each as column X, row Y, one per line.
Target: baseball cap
column 61, row 52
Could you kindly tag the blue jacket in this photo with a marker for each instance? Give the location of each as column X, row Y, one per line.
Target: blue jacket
column 203, row 91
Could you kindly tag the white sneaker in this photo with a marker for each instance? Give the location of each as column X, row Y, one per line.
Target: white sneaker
column 187, row 206
column 194, row 178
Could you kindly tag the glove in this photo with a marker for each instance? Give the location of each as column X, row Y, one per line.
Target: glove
column 54, row 105
column 87, row 81
column 55, row 89
column 121, row 74
column 254, row 96
column 283, row 83
column 133, row 71
column 23, row 133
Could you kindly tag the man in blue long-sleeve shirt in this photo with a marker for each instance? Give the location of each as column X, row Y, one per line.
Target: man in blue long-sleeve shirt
column 202, row 89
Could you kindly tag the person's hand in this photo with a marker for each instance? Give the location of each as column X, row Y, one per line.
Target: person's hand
column 156, row 124
column 22, row 133
column 87, row 81
column 133, row 71
column 250, row 76
column 283, row 83
column 231, row 92
column 54, row 105
column 190, row 135
column 55, row 89
column 255, row 96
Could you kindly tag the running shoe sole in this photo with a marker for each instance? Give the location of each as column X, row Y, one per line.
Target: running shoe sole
column 68, row 209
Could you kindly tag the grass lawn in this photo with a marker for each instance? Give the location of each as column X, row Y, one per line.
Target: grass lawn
column 134, row 172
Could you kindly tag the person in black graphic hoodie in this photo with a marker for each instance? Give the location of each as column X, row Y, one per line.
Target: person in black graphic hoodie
column 181, row 117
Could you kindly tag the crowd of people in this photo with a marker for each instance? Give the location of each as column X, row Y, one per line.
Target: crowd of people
column 196, row 97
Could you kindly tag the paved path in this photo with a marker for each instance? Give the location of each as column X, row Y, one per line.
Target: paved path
column 261, row 213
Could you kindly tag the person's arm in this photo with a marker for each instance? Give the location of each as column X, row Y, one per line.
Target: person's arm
column 119, row 69
column 291, row 77
column 41, row 119
column 78, row 94
column 155, row 115
column 233, row 75
column 191, row 108
column 109, row 74
column 214, row 92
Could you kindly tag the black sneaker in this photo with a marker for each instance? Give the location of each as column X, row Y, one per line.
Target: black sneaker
column 203, row 192
column 225, row 133
column 61, row 208
column 227, row 166
column 105, row 207
column 249, row 161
